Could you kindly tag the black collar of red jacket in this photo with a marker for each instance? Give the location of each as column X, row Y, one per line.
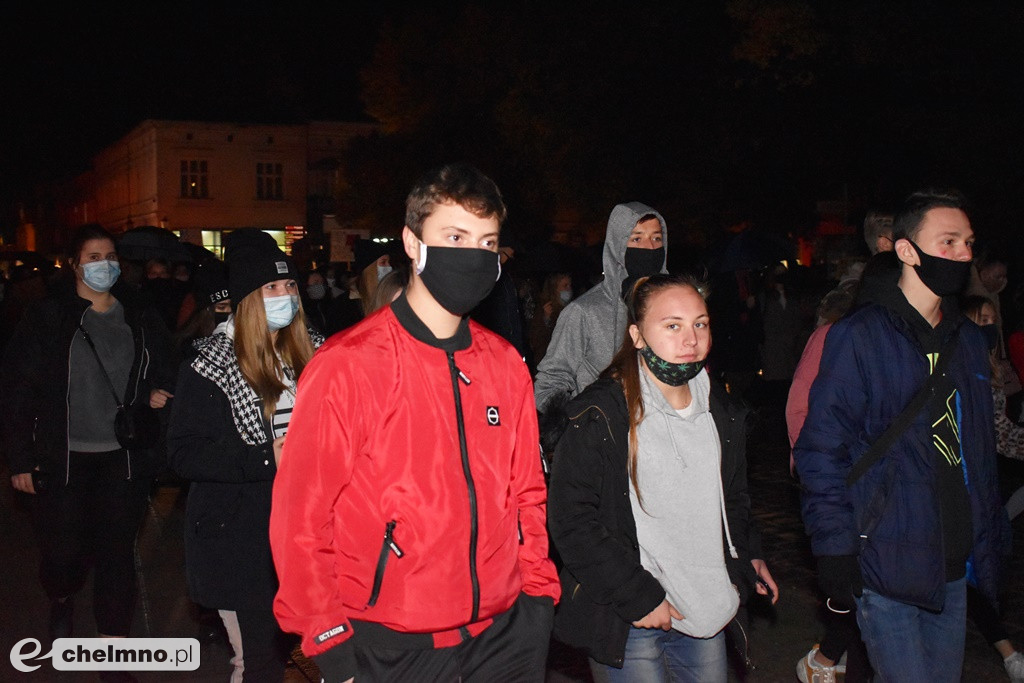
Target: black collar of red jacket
column 416, row 327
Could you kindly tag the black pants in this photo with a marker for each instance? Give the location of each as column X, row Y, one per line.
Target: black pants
column 514, row 649
column 843, row 635
column 93, row 521
column 985, row 617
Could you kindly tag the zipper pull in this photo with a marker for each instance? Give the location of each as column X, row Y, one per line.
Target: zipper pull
column 464, row 379
column 545, row 468
column 389, row 539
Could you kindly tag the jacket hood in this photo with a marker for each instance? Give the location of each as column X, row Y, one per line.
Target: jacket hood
column 621, row 222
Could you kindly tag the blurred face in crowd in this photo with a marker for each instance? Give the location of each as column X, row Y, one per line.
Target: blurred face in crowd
column 986, row 316
column 646, row 235
column 675, row 325
column 945, row 233
column 993, row 276
column 95, row 250
column 884, row 242
column 157, row 271
column 284, row 287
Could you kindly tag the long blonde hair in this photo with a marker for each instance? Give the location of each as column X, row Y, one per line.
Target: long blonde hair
column 625, row 368
column 259, row 358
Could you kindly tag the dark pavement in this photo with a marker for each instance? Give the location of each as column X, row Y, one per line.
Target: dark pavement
column 780, row 635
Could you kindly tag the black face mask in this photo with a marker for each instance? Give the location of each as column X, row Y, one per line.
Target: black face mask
column 991, row 335
column 944, row 277
column 458, row 278
column 221, row 317
column 641, row 263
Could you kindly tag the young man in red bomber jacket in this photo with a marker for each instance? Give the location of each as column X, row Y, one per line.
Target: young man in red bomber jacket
column 408, row 521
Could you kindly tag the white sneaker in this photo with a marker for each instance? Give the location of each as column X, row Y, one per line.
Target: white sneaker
column 1014, row 665
column 809, row 671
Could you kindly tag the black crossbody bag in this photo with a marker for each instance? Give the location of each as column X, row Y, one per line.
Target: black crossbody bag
column 136, row 425
column 903, row 420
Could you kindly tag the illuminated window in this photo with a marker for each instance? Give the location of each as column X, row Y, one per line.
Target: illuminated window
column 193, row 179
column 269, row 181
column 212, row 240
column 281, row 237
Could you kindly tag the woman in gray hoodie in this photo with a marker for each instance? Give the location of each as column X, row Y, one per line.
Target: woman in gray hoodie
column 648, row 506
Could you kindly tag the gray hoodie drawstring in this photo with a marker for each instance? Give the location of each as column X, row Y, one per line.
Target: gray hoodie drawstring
column 721, row 487
column 725, row 518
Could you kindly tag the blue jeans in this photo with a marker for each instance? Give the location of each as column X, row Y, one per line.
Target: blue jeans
column 655, row 656
column 907, row 643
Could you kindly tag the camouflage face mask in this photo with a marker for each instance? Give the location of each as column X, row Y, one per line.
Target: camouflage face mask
column 672, row 374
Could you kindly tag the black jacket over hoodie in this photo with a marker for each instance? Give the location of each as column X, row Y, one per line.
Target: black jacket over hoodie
column 36, row 367
column 604, row 586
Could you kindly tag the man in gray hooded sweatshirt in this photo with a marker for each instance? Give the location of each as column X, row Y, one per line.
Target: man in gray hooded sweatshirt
column 592, row 327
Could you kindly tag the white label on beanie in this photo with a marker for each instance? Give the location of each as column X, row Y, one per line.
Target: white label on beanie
column 282, row 267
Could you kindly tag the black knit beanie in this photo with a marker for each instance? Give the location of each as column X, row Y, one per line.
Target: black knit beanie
column 254, row 259
column 210, row 281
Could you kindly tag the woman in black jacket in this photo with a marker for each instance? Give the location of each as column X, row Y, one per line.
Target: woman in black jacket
column 648, row 504
column 90, row 493
column 228, row 422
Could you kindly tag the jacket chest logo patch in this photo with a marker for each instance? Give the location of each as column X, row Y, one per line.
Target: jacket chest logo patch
column 493, row 418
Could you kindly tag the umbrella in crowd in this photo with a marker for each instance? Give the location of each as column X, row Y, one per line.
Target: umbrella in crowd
column 754, row 249
column 150, row 242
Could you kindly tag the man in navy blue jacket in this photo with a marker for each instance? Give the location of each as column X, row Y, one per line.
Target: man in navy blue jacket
column 900, row 543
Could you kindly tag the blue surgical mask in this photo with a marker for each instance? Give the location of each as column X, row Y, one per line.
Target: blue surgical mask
column 565, row 296
column 382, row 271
column 280, row 310
column 100, row 276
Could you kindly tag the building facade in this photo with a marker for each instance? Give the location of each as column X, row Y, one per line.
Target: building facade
column 203, row 179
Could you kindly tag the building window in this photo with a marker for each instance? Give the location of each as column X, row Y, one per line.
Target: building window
column 212, row 240
column 269, row 181
column 193, row 180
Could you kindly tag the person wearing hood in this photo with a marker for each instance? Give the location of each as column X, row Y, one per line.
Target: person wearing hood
column 228, row 421
column 591, row 327
column 897, row 536
column 648, row 503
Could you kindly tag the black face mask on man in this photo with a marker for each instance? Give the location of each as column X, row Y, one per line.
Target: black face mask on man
column 640, row 263
column 458, row 278
column 943, row 276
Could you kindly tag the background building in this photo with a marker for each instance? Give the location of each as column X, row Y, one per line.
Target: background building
column 202, row 179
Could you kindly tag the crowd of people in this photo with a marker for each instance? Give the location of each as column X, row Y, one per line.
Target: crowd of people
column 425, row 465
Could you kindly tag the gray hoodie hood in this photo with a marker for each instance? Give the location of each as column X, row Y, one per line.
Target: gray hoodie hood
column 621, row 222
column 591, row 328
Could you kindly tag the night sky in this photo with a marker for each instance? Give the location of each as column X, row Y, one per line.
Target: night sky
column 716, row 112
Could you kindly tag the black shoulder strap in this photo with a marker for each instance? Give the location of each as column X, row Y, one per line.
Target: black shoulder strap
column 903, row 420
column 102, row 367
